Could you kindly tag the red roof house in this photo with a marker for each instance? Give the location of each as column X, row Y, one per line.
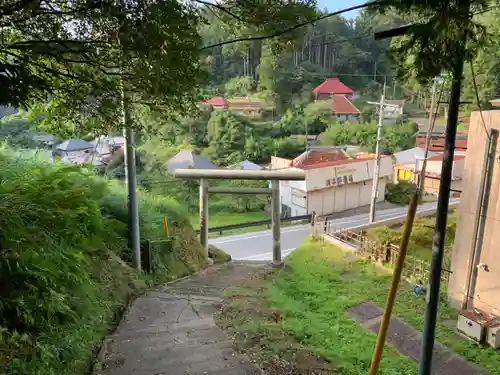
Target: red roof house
column 217, row 101
column 332, row 86
column 343, row 106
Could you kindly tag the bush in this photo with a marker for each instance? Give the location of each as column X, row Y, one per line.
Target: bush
column 63, row 262
column 218, row 255
column 399, row 193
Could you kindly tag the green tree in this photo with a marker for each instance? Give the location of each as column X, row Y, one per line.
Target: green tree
column 150, row 51
column 226, row 134
column 240, row 86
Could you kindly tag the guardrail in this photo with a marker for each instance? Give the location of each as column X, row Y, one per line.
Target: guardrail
column 268, row 222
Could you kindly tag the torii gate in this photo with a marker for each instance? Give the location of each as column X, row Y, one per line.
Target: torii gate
column 226, row 174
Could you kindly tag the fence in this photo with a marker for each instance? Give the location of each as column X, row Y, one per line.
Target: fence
column 414, row 270
column 268, row 222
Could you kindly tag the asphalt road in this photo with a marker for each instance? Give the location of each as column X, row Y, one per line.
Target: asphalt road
column 258, row 245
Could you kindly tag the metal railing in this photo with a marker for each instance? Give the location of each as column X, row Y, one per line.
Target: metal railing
column 415, row 269
column 268, row 222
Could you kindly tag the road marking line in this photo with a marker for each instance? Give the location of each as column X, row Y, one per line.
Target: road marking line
column 283, row 253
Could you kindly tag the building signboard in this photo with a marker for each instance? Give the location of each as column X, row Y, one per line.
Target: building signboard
column 348, row 174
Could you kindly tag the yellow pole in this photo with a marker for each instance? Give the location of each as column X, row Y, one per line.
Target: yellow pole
column 391, row 297
column 165, row 225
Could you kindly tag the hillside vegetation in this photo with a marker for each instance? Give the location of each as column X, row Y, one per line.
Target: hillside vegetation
column 64, row 264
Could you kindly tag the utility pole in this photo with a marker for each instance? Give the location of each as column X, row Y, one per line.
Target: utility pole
column 429, row 332
column 430, row 125
column 376, row 170
column 134, row 239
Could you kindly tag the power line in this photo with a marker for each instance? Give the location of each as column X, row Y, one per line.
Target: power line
column 295, row 27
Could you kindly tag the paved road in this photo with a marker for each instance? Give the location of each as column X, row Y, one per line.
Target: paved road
column 258, row 245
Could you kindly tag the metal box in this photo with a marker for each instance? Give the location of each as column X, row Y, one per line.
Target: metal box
column 493, row 335
column 469, row 326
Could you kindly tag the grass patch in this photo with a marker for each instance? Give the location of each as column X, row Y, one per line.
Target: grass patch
column 420, row 244
column 303, row 307
column 228, row 218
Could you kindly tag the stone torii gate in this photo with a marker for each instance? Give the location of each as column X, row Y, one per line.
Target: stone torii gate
column 226, row 174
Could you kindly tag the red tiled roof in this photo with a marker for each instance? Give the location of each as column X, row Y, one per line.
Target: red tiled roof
column 332, row 86
column 327, row 164
column 438, row 144
column 217, row 101
column 314, row 157
column 343, row 106
column 439, row 157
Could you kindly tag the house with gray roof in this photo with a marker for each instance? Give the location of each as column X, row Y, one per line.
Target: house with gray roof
column 246, row 165
column 411, row 155
column 188, row 159
column 74, row 144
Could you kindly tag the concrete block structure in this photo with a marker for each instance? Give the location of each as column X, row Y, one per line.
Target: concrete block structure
column 487, row 290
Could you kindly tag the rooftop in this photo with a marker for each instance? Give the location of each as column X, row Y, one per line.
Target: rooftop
column 437, row 144
column 332, row 86
column 237, row 103
column 341, row 105
column 75, row 144
column 321, row 157
column 439, row 157
column 409, row 156
column 217, row 101
column 188, row 159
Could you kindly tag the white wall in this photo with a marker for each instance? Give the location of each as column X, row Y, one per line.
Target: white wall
column 343, row 198
column 362, row 170
column 287, row 191
column 435, row 166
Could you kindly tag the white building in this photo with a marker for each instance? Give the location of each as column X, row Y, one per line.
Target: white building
column 335, row 182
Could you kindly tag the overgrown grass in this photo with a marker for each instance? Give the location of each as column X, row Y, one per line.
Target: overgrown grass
column 64, row 263
column 310, row 297
column 420, row 244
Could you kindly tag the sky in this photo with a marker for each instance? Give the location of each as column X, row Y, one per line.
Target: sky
column 334, row 5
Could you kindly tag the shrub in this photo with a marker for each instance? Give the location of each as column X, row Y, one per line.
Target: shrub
column 218, row 255
column 399, row 193
column 63, row 261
